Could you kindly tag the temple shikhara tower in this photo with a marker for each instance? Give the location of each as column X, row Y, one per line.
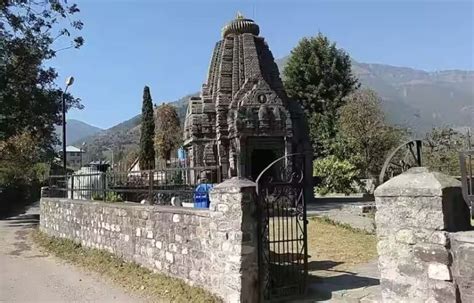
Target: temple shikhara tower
column 243, row 120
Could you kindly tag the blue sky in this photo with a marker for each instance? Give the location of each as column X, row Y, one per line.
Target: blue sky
column 167, row 44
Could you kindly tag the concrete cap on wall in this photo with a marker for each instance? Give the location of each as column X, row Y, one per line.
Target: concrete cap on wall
column 235, row 184
column 417, row 181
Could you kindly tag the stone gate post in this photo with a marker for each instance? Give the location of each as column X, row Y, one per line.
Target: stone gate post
column 233, row 208
column 415, row 212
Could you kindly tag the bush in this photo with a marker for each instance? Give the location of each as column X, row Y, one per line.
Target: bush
column 112, row 196
column 337, row 176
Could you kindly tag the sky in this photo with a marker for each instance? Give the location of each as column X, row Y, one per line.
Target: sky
column 167, row 45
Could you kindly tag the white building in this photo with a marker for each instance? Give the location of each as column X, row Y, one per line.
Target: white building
column 74, row 156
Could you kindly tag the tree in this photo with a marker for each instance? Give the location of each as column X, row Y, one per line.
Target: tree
column 19, row 156
column 364, row 132
column 168, row 131
column 32, row 33
column 146, row 155
column 441, row 148
column 319, row 76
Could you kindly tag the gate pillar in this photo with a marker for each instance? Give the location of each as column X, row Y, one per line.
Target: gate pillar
column 234, row 206
column 415, row 213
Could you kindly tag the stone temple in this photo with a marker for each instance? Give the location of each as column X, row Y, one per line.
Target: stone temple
column 243, row 120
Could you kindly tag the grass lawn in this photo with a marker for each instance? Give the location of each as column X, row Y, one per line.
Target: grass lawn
column 337, row 247
column 152, row 286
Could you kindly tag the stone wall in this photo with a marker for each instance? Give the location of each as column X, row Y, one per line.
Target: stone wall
column 215, row 249
column 462, row 250
column 417, row 214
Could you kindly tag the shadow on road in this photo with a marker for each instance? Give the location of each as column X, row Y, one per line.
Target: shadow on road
column 23, row 220
column 337, row 281
column 323, row 204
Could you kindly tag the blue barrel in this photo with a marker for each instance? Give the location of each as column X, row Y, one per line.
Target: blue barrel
column 201, row 195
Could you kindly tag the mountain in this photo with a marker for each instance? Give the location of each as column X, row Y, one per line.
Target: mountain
column 77, row 130
column 411, row 98
column 421, row 100
column 125, row 136
column 418, row 99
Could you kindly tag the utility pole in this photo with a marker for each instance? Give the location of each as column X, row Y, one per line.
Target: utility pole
column 69, row 82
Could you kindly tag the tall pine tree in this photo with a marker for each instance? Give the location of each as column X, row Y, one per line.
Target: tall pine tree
column 319, row 76
column 146, row 155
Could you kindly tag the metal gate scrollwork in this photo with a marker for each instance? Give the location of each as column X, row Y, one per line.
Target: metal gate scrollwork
column 283, row 261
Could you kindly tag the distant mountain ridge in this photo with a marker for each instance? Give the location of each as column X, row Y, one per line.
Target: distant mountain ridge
column 412, row 98
column 418, row 99
column 77, row 130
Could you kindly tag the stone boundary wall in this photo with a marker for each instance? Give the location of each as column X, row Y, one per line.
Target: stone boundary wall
column 462, row 250
column 215, row 249
column 421, row 259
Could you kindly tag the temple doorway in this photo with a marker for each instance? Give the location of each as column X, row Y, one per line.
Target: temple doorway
column 260, row 159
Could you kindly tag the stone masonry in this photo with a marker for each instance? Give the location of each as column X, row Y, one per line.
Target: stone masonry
column 462, row 249
column 243, row 119
column 418, row 213
column 215, row 249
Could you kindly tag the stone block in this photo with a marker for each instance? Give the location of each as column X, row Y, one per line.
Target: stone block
column 464, row 260
column 432, row 196
column 438, row 271
column 442, row 292
column 169, row 257
column 439, row 237
column 432, row 253
column 391, row 288
column 172, row 247
column 149, row 234
column 411, row 269
column 176, row 218
column 406, row 236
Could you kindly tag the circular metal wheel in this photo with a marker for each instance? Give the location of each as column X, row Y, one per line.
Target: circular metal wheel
column 402, row 158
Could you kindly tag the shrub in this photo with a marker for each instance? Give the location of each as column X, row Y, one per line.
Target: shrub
column 112, row 196
column 337, row 176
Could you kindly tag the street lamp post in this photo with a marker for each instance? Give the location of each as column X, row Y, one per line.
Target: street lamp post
column 69, row 82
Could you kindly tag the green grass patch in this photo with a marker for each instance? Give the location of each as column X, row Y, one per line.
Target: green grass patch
column 327, row 220
column 152, row 286
column 339, row 243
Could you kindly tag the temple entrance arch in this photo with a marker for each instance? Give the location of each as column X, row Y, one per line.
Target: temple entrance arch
column 260, row 159
column 259, row 152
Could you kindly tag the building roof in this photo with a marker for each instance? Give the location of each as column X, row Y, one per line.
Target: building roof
column 71, row 148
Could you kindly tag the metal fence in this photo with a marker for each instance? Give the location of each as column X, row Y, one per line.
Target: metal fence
column 157, row 186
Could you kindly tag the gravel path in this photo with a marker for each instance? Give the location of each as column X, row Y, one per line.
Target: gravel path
column 29, row 275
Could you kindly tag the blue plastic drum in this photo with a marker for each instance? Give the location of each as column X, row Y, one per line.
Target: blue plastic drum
column 201, row 195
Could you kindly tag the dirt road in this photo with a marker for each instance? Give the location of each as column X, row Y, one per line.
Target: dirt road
column 29, row 275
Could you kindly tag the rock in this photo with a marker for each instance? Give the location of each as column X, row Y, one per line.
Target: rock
column 176, row 201
column 439, row 271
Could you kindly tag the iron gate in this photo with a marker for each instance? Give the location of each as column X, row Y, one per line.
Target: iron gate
column 283, row 261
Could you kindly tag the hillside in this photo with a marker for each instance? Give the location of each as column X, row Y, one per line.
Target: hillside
column 411, row 98
column 77, row 130
column 125, row 136
column 418, row 99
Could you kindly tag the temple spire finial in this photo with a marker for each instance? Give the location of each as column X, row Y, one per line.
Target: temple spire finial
column 240, row 25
